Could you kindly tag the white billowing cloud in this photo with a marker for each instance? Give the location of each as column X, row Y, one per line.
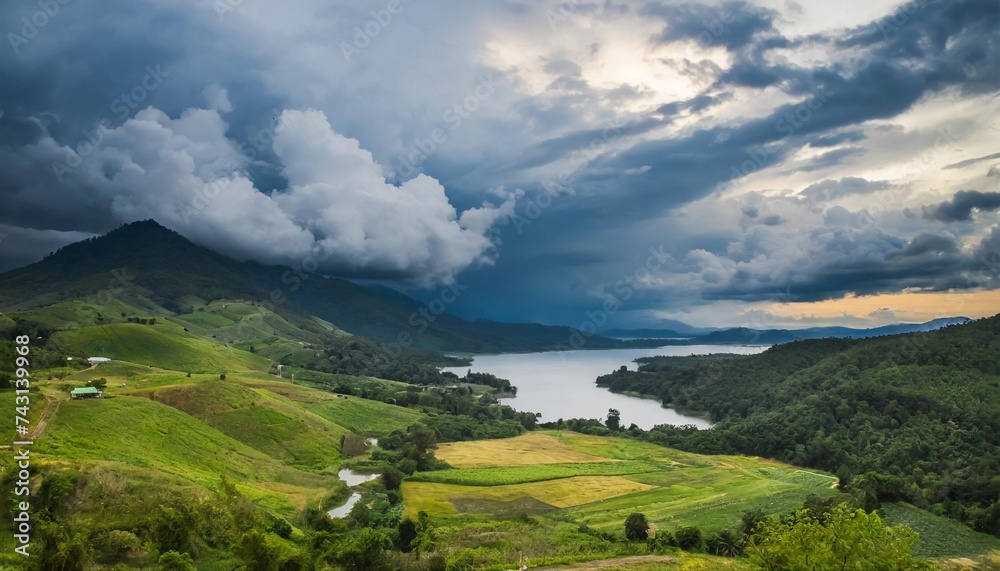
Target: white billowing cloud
column 217, row 98
column 338, row 212
column 339, row 193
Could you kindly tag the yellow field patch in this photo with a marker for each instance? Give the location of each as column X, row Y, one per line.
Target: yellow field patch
column 526, row 450
column 436, row 499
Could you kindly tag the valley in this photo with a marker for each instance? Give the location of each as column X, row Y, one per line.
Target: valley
column 226, row 427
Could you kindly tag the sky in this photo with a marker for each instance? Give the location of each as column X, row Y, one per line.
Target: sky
column 765, row 163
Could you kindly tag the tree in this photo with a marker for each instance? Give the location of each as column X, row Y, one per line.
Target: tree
column 174, row 561
column 426, row 539
column 392, row 478
column 848, row 539
column 750, row 520
column 255, row 552
column 725, row 542
column 99, row 384
column 614, row 421
column 636, row 527
column 362, row 550
column 688, row 538
column 407, row 532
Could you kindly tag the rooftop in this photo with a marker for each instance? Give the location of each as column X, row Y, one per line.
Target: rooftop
column 86, row 391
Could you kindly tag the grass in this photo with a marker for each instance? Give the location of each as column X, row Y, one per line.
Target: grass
column 36, row 405
column 370, row 418
column 165, row 345
column 148, row 436
column 939, row 536
column 264, row 421
column 506, row 475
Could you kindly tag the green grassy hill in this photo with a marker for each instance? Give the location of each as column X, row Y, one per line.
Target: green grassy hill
column 165, row 345
column 145, row 434
column 259, row 419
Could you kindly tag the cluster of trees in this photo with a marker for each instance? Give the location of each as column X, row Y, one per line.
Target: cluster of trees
column 456, row 413
column 375, row 529
column 156, row 530
column 908, row 417
column 490, row 380
column 823, row 534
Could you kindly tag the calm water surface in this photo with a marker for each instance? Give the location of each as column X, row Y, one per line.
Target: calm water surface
column 563, row 384
column 352, row 479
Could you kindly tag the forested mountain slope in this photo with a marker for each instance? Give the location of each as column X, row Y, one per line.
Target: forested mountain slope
column 912, row 417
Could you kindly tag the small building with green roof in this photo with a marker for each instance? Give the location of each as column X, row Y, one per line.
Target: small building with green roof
column 86, row 393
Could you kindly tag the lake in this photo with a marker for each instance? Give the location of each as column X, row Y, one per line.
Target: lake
column 563, row 384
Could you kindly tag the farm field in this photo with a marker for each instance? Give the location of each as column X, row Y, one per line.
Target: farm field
column 528, row 450
column 939, row 536
column 671, row 487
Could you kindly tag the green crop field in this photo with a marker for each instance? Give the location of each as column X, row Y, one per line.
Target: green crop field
column 506, row 475
column 939, row 536
column 671, row 487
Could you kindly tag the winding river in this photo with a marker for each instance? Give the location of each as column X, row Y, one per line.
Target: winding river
column 562, row 384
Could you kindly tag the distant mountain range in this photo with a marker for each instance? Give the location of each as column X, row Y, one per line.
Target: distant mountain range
column 147, row 260
column 747, row 336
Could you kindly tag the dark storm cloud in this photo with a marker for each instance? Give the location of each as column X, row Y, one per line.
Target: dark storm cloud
column 888, row 264
column 732, row 25
column 840, row 95
column 390, row 96
column 962, row 205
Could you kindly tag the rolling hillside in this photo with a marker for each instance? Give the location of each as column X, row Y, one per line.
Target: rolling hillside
column 146, row 260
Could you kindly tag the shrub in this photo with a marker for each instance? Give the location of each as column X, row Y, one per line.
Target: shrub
column 688, row 538
column 116, row 543
column 636, row 527
column 174, row 561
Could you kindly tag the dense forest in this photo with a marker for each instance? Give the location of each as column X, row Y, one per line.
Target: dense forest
column 911, row 417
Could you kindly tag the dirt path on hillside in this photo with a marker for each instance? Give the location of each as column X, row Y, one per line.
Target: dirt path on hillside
column 833, row 486
column 609, row 563
column 51, row 407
